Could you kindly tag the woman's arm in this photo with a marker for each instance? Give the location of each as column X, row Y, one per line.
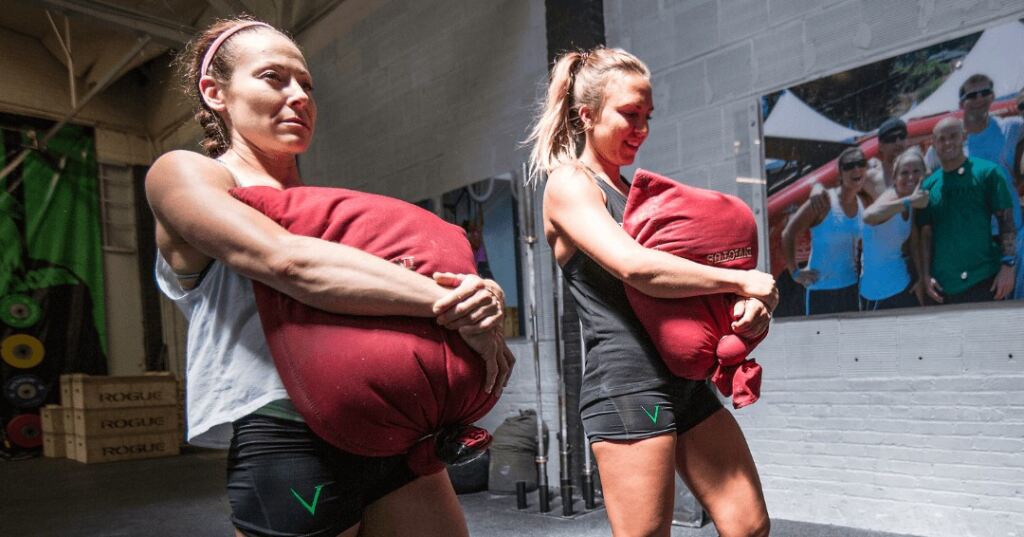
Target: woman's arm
column 889, row 205
column 931, row 287
column 885, row 207
column 806, row 216
column 574, row 206
column 189, row 196
column 915, row 257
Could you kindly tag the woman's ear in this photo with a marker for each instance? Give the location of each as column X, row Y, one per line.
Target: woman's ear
column 210, row 92
column 586, row 117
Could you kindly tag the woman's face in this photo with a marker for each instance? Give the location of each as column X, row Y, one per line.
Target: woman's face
column 269, row 102
column 852, row 169
column 908, row 176
column 616, row 131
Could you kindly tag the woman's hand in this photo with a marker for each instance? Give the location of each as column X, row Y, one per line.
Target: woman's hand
column 759, row 285
column 751, row 318
column 806, row 277
column 918, row 199
column 475, row 304
column 918, row 290
column 498, row 360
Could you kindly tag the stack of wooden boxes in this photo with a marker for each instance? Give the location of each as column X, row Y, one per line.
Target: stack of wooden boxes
column 105, row 419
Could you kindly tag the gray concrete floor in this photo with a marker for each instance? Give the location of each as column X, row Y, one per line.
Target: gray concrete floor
column 184, row 496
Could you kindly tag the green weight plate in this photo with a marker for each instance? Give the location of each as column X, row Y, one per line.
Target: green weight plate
column 19, row 311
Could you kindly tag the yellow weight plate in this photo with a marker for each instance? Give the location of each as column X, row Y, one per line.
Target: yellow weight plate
column 22, row 351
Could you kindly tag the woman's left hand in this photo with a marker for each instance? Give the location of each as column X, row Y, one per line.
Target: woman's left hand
column 752, row 318
column 475, row 305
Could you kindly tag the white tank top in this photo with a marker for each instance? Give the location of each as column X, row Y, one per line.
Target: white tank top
column 884, row 270
column 834, row 246
column 229, row 372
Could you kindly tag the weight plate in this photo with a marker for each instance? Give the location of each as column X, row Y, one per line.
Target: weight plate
column 22, row 351
column 25, row 431
column 19, row 311
column 25, row 391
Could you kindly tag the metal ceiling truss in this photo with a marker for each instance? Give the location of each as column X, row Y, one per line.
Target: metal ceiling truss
column 100, row 86
column 162, row 30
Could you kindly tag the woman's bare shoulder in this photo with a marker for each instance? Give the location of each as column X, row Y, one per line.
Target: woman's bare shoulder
column 187, row 167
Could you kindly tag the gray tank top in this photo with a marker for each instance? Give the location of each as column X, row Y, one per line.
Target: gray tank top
column 620, row 356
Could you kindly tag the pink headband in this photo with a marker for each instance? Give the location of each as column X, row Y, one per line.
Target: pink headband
column 212, row 51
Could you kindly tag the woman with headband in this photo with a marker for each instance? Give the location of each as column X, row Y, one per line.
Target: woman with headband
column 643, row 423
column 253, row 95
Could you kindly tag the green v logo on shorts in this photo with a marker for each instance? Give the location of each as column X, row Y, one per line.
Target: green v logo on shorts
column 654, row 418
column 316, row 498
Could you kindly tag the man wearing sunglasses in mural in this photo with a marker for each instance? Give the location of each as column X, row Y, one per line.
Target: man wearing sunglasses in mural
column 960, row 261
column 892, row 140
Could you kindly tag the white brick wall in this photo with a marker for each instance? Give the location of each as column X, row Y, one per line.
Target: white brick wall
column 907, row 423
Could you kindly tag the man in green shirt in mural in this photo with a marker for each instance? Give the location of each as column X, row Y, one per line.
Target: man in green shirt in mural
column 960, row 260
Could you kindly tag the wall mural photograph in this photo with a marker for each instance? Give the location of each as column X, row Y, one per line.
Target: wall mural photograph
column 899, row 184
column 486, row 211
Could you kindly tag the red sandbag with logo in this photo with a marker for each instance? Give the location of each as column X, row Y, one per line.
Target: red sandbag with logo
column 694, row 335
column 373, row 386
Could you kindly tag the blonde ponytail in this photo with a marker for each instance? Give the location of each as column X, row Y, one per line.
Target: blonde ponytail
column 554, row 135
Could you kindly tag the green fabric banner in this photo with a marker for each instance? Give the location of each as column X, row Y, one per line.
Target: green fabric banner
column 52, row 246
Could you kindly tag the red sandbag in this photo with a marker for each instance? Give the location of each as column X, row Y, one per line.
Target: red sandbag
column 694, row 335
column 373, row 386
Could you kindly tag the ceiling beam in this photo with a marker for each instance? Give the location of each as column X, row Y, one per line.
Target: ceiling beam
column 320, row 12
column 168, row 32
column 229, row 8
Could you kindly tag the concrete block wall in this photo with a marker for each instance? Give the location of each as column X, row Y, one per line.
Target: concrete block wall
column 418, row 98
column 909, row 423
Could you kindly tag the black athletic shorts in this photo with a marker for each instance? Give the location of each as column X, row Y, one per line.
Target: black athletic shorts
column 285, row 481
column 674, row 407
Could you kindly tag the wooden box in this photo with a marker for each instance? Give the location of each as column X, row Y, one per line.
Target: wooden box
column 95, row 392
column 125, row 421
column 93, row 449
column 54, row 419
column 65, row 390
column 54, row 444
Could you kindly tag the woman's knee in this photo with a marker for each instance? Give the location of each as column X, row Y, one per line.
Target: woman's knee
column 738, row 523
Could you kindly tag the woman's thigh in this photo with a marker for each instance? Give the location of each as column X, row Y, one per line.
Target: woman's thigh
column 715, row 462
column 427, row 506
column 638, row 481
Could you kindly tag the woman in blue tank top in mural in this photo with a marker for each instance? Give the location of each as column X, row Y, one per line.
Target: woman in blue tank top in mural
column 888, row 260
column 830, row 277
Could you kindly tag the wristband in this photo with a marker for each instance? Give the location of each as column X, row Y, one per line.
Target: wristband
column 1008, row 260
column 906, row 204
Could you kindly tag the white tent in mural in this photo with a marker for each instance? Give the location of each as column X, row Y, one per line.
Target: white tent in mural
column 996, row 54
column 793, row 118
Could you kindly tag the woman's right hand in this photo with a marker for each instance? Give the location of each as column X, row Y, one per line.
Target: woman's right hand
column 475, row 304
column 806, row 277
column 918, row 199
column 759, row 285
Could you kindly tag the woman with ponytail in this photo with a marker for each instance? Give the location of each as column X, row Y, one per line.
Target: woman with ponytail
column 643, row 423
column 252, row 92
